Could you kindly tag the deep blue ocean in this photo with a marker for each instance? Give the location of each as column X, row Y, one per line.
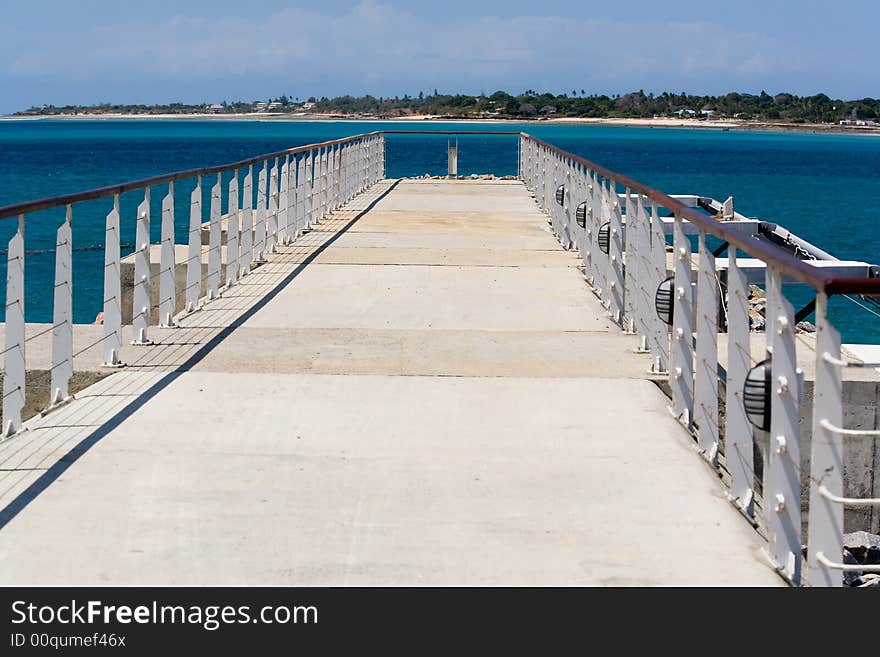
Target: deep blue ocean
column 824, row 187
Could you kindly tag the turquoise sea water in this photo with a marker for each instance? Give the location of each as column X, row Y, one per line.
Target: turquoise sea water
column 824, row 187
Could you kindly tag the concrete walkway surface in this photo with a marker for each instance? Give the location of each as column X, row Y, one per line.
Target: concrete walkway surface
column 422, row 390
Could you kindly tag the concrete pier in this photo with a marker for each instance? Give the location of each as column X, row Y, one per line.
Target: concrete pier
column 422, row 390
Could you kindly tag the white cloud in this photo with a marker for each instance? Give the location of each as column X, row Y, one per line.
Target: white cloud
column 377, row 47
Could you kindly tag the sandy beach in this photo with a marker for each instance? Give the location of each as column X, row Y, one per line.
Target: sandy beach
column 654, row 122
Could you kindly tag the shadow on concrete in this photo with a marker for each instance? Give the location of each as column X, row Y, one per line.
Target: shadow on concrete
column 17, row 504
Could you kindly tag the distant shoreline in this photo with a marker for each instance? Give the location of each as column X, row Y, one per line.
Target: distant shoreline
column 657, row 122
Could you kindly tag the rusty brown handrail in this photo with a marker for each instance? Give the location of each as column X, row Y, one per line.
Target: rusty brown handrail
column 783, row 262
column 100, row 192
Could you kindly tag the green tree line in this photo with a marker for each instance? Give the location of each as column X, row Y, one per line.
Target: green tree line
column 785, row 107
column 818, row 108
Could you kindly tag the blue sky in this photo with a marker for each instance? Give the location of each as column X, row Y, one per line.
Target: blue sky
column 89, row 51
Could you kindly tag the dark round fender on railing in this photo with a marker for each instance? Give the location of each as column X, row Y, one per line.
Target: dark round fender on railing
column 581, row 215
column 664, row 301
column 604, row 237
column 756, row 395
column 560, row 194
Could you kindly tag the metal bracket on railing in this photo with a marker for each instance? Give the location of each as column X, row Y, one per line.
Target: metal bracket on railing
column 828, row 358
column 847, row 567
column 848, row 501
column 854, row 433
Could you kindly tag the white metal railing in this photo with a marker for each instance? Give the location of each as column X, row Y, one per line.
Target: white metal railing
column 624, row 256
column 296, row 188
column 615, row 225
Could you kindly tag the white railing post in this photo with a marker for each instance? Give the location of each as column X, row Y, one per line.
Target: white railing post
column 364, row 164
column 594, row 213
column 325, row 183
column 14, row 355
column 301, row 194
column 337, row 163
column 112, row 290
column 293, row 192
column 520, row 159
column 706, row 370
column 247, row 223
column 826, row 460
column 370, row 162
column 194, row 251
column 659, row 329
column 739, row 439
column 272, row 223
column 285, row 201
column 565, row 210
column 681, row 374
column 260, row 226
column 615, row 256
column 579, row 195
column 554, row 207
column 310, row 191
column 319, row 187
column 342, row 182
column 353, row 161
column 782, row 488
column 167, row 291
column 644, row 279
column 62, row 313
column 630, row 270
column 545, row 177
column 603, row 265
column 348, row 154
column 330, row 175
column 214, row 240
column 141, row 302
column 233, row 230
column 532, row 171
